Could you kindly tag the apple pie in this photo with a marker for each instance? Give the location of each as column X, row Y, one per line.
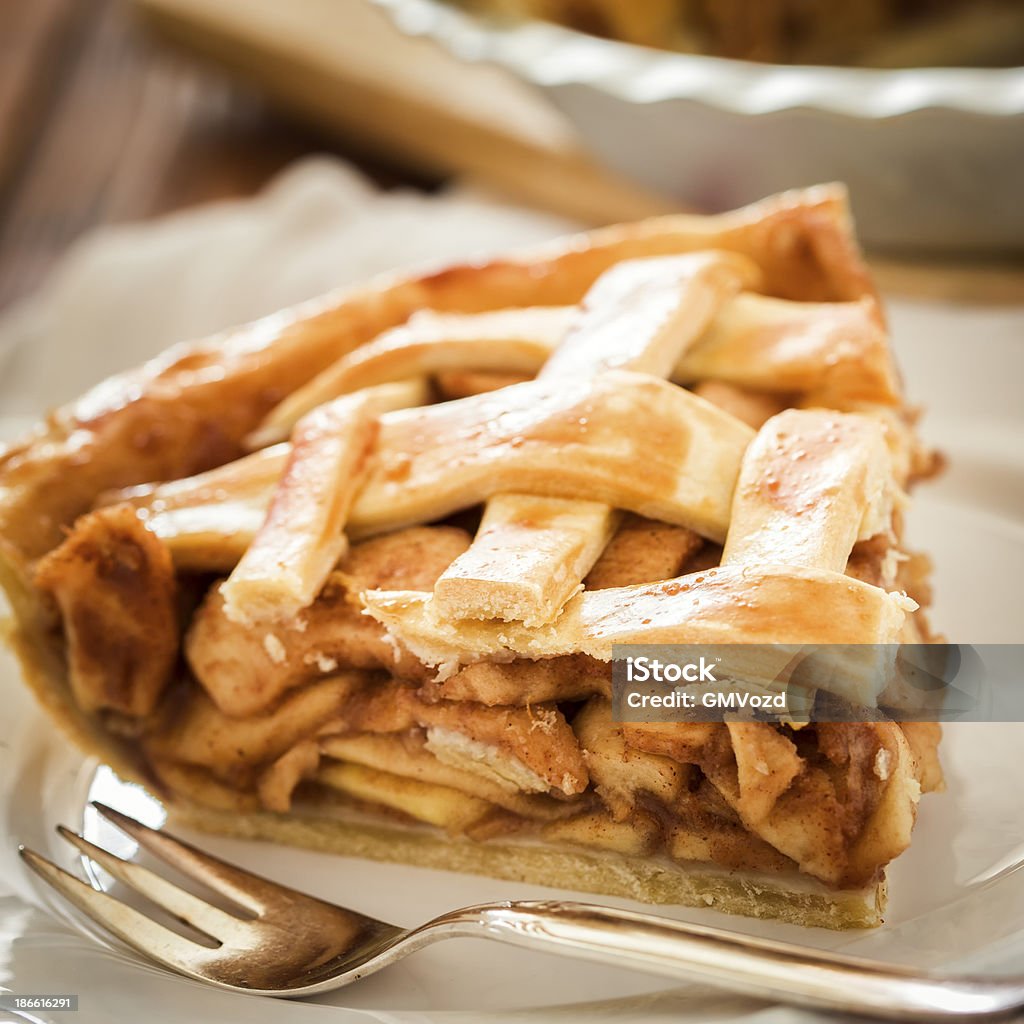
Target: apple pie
column 349, row 576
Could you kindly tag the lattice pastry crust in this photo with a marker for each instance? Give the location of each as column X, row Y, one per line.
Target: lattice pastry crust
column 396, row 532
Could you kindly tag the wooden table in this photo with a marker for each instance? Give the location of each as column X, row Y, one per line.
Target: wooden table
column 101, row 123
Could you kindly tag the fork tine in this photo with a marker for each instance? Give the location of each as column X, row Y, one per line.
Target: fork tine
column 250, row 891
column 212, row 921
column 137, row 930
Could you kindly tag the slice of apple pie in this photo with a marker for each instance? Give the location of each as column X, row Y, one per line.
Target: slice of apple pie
column 350, row 576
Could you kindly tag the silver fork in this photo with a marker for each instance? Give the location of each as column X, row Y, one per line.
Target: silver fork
column 280, row 942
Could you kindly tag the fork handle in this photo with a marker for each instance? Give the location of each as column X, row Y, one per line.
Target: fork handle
column 756, row 967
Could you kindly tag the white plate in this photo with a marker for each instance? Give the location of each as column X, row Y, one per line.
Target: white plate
column 957, row 895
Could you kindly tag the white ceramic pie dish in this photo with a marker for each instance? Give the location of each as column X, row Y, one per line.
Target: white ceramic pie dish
column 932, row 156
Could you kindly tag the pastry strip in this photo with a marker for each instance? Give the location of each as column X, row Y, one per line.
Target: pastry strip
column 527, row 559
column 734, row 604
column 303, row 535
column 826, row 351
column 813, row 483
column 504, row 339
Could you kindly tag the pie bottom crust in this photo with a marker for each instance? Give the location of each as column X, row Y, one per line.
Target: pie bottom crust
column 793, row 898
